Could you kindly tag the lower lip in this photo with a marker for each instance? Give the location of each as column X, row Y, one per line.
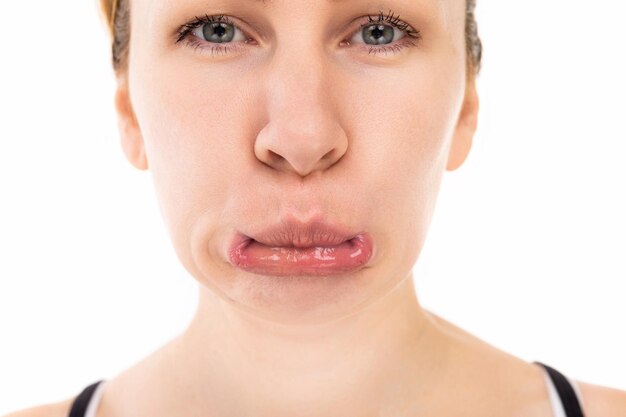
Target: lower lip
column 344, row 258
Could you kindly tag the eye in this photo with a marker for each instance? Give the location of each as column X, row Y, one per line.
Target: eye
column 217, row 31
column 212, row 30
column 385, row 34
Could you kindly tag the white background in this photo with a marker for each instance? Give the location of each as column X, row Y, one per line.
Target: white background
column 526, row 250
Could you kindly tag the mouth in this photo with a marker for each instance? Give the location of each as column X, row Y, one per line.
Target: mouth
column 294, row 249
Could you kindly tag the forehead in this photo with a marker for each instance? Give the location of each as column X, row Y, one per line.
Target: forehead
column 307, row 2
column 443, row 8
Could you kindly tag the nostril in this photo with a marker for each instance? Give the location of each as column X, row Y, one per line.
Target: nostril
column 274, row 156
column 300, row 149
column 328, row 155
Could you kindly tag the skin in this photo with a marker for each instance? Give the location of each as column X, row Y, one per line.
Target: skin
column 244, row 138
column 234, row 142
column 249, row 136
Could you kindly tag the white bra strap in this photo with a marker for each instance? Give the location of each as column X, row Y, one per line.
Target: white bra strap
column 95, row 401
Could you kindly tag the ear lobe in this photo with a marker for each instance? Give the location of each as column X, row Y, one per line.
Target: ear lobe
column 465, row 128
column 130, row 134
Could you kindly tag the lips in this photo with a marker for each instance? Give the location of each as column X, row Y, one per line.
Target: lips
column 292, row 248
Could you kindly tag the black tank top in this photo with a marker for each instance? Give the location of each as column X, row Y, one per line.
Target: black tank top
column 567, row 396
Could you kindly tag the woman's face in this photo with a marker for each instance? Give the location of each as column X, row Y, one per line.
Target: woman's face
column 293, row 123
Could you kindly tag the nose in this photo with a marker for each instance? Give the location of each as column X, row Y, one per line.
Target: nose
column 303, row 134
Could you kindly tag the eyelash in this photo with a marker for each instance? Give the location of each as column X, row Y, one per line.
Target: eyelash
column 411, row 39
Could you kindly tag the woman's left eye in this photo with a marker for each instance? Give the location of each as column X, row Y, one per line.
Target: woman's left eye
column 218, row 35
column 382, row 32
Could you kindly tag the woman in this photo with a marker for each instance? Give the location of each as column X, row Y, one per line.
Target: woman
column 297, row 172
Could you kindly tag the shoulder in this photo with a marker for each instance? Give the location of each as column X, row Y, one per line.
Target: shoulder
column 601, row 401
column 58, row 409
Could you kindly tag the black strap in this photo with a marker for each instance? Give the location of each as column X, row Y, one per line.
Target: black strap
column 566, row 392
column 563, row 388
column 79, row 406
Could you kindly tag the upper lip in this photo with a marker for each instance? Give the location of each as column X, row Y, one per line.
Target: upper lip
column 293, row 233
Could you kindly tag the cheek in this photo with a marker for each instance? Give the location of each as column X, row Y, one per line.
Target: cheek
column 400, row 124
column 192, row 130
column 401, row 130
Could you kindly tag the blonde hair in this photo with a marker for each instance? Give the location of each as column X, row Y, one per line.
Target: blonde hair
column 117, row 14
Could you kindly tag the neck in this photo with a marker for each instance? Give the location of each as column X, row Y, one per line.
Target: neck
column 230, row 363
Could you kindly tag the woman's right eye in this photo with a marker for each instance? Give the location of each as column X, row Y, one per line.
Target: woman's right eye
column 215, row 33
column 218, row 32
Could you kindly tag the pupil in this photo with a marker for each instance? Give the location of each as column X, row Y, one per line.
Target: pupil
column 378, row 33
column 218, row 32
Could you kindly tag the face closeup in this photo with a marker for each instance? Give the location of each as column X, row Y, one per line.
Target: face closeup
column 290, row 114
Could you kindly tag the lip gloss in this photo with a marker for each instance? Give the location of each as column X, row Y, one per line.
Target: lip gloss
column 346, row 257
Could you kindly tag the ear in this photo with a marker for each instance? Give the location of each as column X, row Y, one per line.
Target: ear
column 465, row 128
column 130, row 134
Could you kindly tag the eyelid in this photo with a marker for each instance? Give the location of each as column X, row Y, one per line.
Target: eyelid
column 368, row 23
column 198, row 22
column 237, row 28
column 410, row 37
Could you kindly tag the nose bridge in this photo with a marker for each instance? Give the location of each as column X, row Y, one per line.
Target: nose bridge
column 303, row 133
column 298, row 79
